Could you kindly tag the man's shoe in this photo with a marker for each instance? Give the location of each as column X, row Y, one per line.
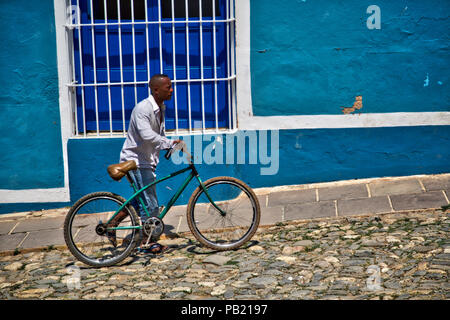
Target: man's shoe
column 154, row 247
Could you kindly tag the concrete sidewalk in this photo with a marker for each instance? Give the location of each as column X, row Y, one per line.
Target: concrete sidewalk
column 31, row 231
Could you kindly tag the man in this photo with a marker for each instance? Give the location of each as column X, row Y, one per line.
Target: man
column 145, row 138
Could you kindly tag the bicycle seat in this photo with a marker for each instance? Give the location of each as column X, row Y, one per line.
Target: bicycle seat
column 119, row 170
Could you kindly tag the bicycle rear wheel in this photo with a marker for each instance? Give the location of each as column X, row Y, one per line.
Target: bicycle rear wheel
column 89, row 237
column 237, row 222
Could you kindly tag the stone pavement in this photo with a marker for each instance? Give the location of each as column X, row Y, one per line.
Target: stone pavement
column 365, row 239
column 33, row 231
column 402, row 256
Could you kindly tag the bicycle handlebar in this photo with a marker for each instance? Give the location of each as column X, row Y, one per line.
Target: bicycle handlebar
column 178, row 146
column 168, row 153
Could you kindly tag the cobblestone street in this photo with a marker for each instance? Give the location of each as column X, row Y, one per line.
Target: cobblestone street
column 389, row 256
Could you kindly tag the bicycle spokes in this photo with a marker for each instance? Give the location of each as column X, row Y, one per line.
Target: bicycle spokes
column 225, row 215
column 90, row 234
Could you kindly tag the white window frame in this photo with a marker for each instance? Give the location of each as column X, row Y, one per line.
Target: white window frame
column 230, row 78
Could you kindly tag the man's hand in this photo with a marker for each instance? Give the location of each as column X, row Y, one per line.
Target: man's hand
column 174, row 142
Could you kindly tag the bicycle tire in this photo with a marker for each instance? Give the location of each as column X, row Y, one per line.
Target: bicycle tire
column 72, row 230
column 201, row 234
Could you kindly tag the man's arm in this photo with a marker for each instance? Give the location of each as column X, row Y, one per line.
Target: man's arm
column 148, row 134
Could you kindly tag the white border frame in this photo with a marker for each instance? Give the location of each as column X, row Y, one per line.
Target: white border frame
column 247, row 121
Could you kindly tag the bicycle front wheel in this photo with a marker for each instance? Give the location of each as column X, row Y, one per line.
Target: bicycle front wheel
column 94, row 241
column 226, row 215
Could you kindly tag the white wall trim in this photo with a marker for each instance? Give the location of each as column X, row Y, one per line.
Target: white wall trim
column 243, row 75
column 35, row 195
column 63, row 63
column 364, row 120
column 64, row 71
column 247, row 121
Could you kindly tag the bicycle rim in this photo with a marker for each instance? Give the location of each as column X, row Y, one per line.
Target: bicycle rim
column 84, row 239
column 236, row 226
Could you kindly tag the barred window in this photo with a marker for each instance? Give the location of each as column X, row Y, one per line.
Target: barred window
column 117, row 45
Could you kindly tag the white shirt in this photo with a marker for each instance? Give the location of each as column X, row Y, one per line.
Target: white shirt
column 146, row 135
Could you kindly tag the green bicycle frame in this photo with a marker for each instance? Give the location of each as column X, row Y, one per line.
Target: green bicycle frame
column 137, row 193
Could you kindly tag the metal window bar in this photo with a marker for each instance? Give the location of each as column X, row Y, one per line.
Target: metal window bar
column 201, row 65
column 230, row 126
column 108, row 68
column 188, row 66
column 215, row 65
column 81, row 75
column 161, row 68
column 94, row 57
column 124, row 129
column 229, row 25
column 134, row 53
column 147, row 44
column 174, row 66
column 232, row 49
column 132, row 23
column 71, row 43
column 130, row 83
column 73, row 101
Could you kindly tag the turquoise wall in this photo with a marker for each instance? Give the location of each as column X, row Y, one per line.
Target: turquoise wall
column 305, row 156
column 307, row 57
column 30, row 133
column 313, row 57
column 90, row 158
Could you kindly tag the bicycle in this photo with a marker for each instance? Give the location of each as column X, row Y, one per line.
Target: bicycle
column 222, row 213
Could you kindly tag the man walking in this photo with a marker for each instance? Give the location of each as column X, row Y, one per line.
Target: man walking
column 145, row 139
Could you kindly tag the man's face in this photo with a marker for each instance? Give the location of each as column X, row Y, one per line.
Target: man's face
column 165, row 89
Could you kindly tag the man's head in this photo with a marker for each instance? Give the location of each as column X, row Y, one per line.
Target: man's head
column 161, row 87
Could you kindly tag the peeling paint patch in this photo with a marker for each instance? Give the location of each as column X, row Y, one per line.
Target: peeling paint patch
column 357, row 105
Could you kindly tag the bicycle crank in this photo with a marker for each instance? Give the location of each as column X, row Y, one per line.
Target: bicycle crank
column 153, row 227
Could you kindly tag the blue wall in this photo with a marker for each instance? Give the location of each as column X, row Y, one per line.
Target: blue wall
column 313, row 57
column 90, row 158
column 305, row 156
column 307, row 57
column 30, row 133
